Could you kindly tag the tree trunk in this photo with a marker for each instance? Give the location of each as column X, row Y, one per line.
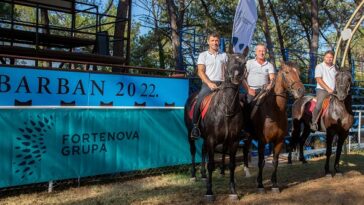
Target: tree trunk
column 158, row 35
column 315, row 37
column 279, row 31
column 266, row 32
column 44, row 20
column 176, row 22
column 119, row 35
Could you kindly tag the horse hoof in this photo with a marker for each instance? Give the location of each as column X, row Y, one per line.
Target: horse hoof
column 209, row 198
column 247, row 172
column 193, row 179
column 328, row 176
column 261, row 190
column 275, row 190
column 233, row 197
column 338, row 174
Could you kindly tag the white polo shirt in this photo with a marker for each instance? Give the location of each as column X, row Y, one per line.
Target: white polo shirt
column 258, row 75
column 327, row 73
column 214, row 64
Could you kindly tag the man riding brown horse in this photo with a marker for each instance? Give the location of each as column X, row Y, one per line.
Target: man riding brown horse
column 325, row 77
column 268, row 117
column 336, row 118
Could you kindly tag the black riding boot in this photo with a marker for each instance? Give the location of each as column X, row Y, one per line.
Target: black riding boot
column 313, row 125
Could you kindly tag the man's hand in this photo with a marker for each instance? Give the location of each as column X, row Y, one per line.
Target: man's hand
column 268, row 86
column 251, row 92
column 212, row 86
column 329, row 90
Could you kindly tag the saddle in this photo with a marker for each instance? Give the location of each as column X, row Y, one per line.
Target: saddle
column 305, row 106
column 257, row 101
column 203, row 107
column 310, row 106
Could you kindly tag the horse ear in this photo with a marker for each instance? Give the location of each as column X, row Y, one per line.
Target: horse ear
column 245, row 52
column 283, row 63
column 228, row 55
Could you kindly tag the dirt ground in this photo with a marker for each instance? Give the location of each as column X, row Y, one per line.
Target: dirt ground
column 299, row 184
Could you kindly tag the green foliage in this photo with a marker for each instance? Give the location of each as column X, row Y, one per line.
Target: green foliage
column 5, row 10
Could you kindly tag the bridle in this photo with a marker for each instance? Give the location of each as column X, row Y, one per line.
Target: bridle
column 229, row 111
column 290, row 86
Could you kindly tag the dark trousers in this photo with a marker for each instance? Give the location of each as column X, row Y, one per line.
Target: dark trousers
column 320, row 96
column 249, row 98
column 204, row 91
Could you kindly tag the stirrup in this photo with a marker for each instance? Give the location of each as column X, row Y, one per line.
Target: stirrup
column 195, row 132
column 313, row 127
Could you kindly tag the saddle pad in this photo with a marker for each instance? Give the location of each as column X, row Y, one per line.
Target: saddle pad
column 325, row 105
column 203, row 107
column 310, row 106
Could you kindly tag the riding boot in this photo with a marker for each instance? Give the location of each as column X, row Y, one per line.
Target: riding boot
column 314, row 125
column 195, row 132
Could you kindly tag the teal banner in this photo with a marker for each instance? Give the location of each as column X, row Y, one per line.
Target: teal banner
column 29, row 87
column 38, row 145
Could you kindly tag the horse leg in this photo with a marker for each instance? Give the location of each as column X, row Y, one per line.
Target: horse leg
column 246, row 148
column 340, row 143
column 304, row 136
column 193, row 154
column 203, row 161
column 210, row 168
column 232, row 164
column 295, row 136
column 222, row 167
column 261, row 162
column 276, row 152
column 329, row 138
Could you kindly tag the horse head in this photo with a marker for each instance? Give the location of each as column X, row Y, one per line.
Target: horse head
column 291, row 79
column 235, row 68
column 342, row 84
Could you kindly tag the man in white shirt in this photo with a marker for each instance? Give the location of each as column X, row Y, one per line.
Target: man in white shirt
column 260, row 73
column 325, row 77
column 210, row 68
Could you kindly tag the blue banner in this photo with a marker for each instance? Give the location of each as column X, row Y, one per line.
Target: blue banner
column 37, row 87
column 38, row 145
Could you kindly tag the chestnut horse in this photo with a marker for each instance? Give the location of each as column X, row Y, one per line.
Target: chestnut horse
column 269, row 119
column 335, row 120
column 222, row 122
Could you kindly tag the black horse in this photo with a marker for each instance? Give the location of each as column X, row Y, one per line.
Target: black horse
column 222, row 122
column 337, row 119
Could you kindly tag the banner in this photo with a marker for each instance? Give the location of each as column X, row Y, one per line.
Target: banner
column 38, row 145
column 244, row 24
column 38, row 87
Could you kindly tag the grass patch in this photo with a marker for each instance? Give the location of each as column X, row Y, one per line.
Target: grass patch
column 300, row 184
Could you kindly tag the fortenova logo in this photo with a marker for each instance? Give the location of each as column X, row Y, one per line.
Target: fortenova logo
column 31, row 146
column 93, row 143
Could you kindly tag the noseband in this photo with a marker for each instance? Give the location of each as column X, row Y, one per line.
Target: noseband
column 290, row 86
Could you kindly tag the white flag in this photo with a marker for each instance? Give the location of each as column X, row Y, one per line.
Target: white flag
column 244, row 24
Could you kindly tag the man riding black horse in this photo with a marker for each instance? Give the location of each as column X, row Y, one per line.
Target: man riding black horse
column 210, row 68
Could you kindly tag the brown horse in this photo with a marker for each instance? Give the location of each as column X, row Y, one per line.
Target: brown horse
column 269, row 119
column 222, row 122
column 336, row 119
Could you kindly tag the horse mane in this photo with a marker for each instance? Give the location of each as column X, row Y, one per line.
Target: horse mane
column 291, row 64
